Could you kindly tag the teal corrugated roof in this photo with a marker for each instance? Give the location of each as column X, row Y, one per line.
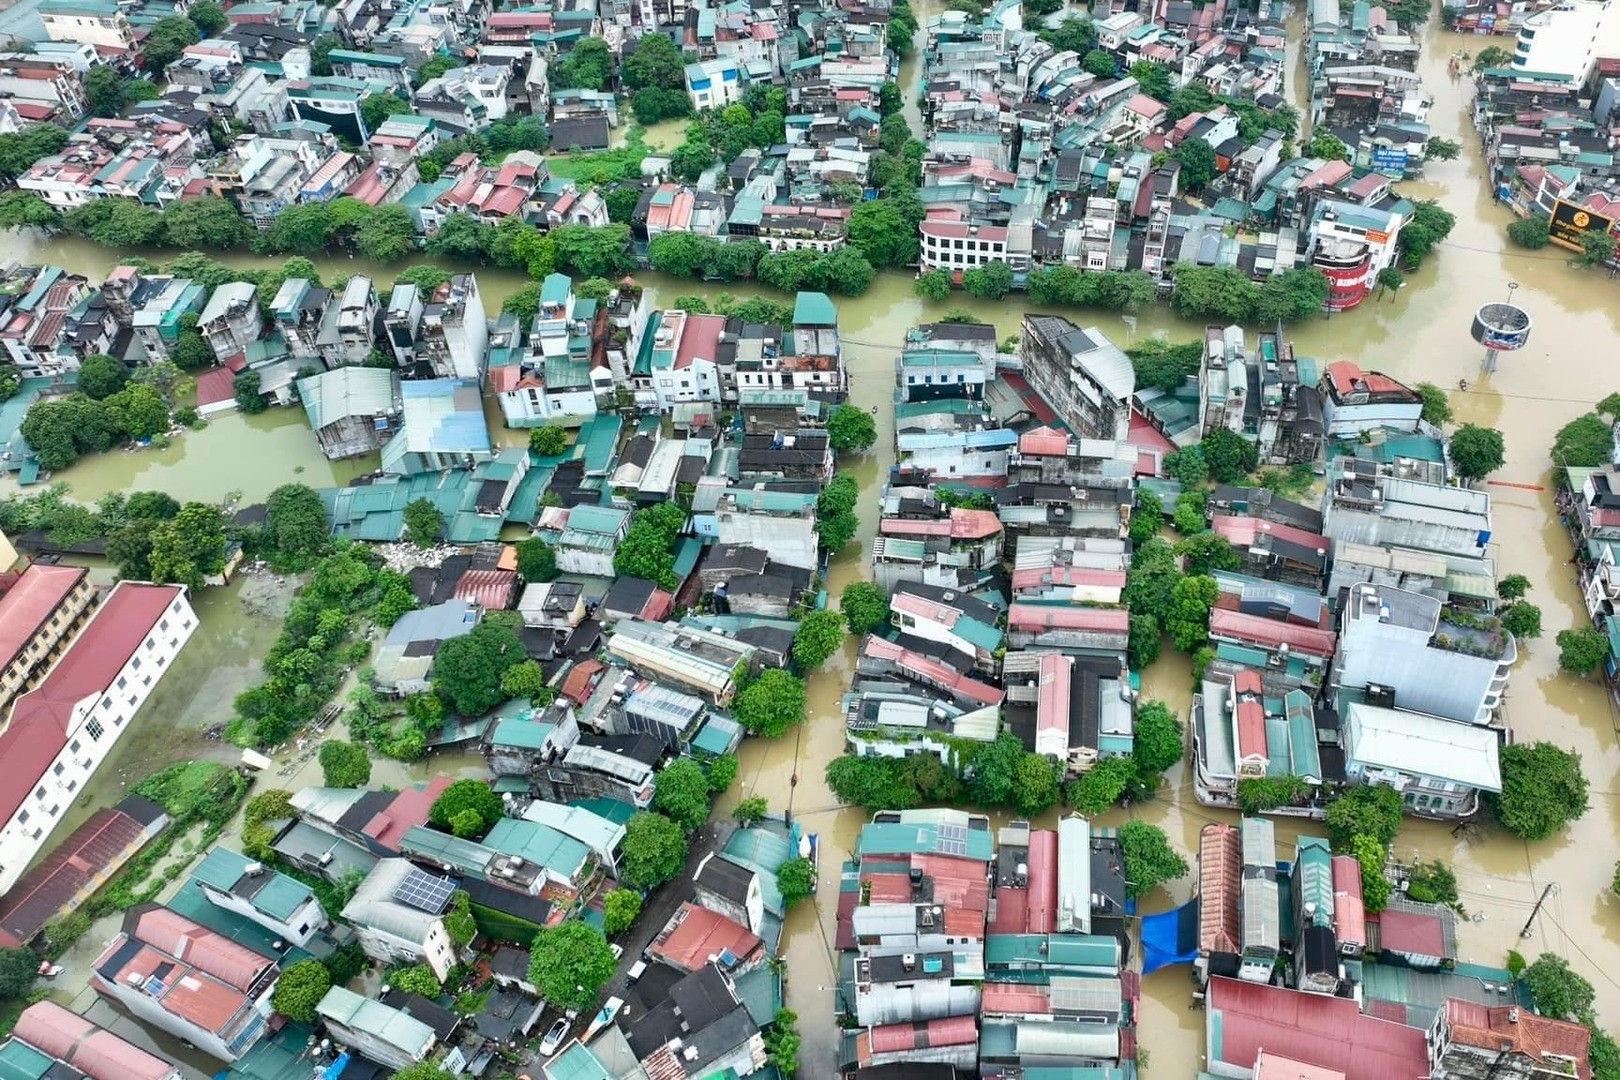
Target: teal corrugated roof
column 814, row 309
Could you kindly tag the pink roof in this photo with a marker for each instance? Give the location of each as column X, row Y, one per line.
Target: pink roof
column 1043, row 899
column 1039, row 578
column 702, row 933
column 1276, row 1067
column 1015, row 999
column 30, row 603
column 409, row 809
column 906, row 1038
column 1220, row 880
column 368, row 187
column 1038, row 617
column 973, row 524
column 1052, row 701
column 1145, row 106
column 1043, row 440
column 505, row 379
column 93, row 1051
column 1244, row 1017
column 216, row 385
column 1241, row 532
column 491, row 590
column 1256, row 630
column 505, row 202
column 932, row 671
column 1012, row 911
column 183, row 991
column 959, row 884
column 960, row 230
column 923, row 608
column 214, row 954
column 43, row 719
column 1349, row 916
column 700, row 340
column 1251, row 730
column 1418, row 933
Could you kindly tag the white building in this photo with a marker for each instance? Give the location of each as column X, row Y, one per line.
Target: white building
column 780, row 522
column 397, row 912
column 379, row 1032
column 285, row 907
column 87, row 22
column 1567, row 38
column 714, row 84
column 62, row 730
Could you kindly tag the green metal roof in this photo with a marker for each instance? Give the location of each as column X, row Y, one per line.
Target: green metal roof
column 978, row 634
column 555, row 289
column 522, row 734
column 540, row 844
column 19, row 1061
column 577, row 1063
column 279, row 898
column 814, row 309
column 923, row 838
column 612, row 809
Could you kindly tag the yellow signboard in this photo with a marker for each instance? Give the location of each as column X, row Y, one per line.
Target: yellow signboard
column 1570, row 221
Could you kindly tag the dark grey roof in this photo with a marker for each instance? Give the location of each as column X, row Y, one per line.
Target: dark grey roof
column 628, row 596
column 737, row 558
column 970, row 606
column 647, row 749
column 507, row 901
column 725, row 878
column 366, row 807
column 694, row 1003
column 511, row 962
column 142, row 810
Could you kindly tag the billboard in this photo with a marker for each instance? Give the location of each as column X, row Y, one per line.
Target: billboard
column 1569, row 221
column 1389, row 161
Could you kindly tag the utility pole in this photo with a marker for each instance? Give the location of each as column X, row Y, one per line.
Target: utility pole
column 1551, row 885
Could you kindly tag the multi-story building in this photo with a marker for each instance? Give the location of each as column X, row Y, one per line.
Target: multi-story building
column 231, row 321
column 454, row 333
column 63, row 729
column 1439, row 767
column 187, row 980
column 47, row 82
column 398, row 914
column 285, row 907
column 379, row 1032
column 70, row 1045
column 1567, row 38
column 87, row 22
column 39, row 616
column 1081, row 374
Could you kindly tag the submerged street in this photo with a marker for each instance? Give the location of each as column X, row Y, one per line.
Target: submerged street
column 1419, row 334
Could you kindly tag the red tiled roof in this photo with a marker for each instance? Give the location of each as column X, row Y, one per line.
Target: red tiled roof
column 1349, row 916
column 93, row 1051
column 95, row 848
column 43, row 719
column 1220, row 879
column 702, row 933
column 1344, row 375
column 1270, row 633
column 1495, row 1028
column 30, row 603
column 1244, row 1017
column 409, row 809
column 576, row 685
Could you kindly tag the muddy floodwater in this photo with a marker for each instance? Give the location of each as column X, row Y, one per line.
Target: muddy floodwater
column 1421, row 333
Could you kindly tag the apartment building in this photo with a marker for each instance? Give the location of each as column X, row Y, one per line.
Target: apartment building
column 38, row 618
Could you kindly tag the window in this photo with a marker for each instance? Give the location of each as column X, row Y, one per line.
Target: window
column 58, row 769
column 95, row 730
column 73, row 747
column 122, row 682
column 39, row 794
column 22, row 817
column 136, row 665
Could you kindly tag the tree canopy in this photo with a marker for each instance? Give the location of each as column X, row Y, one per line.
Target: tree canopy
column 796, row 879
column 851, row 427
column 1476, row 451
column 654, row 850
column 424, row 523
column 467, row 670
column 1582, row 651
column 820, row 634
column 681, row 792
column 1231, row 457
column 1149, row 858
column 865, row 607
column 620, row 907
column 536, row 560
column 344, row 764
column 771, row 704
column 569, row 963
column 1543, row 790
column 463, row 796
column 295, row 525
column 300, row 988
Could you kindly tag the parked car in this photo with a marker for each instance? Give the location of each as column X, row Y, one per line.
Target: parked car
column 637, row 970
column 617, row 949
column 554, row 1038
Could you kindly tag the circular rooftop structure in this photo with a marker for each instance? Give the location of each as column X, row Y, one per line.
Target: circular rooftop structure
column 1502, row 327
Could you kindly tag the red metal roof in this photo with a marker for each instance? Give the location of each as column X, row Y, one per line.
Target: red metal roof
column 215, row 385
column 904, row 1038
column 1038, row 617
column 959, row 884
column 1012, row 912
column 1256, row 630
column 933, row 671
column 491, row 590
column 1220, row 880
column 93, row 1051
column 409, row 809
column 1251, row 730
column 30, row 603
column 1277, row 1067
column 1244, row 1017
column 1043, row 440
column 1349, row 916
column 1015, row 999
column 973, row 524
column 700, row 340
column 43, row 719
column 1038, row 578
column 232, row 964
column 1241, row 531
column 1495, row 1028
column 96, row 848
column 192, row 995
column 577, row 684
column 1043, row 898
column 1416, row 933
column 700, row 934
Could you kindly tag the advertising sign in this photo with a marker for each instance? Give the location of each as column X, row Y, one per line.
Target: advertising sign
column 1570, row 221
column 1389, row 161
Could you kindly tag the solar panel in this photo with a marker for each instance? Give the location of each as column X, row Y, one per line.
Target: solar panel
column 952, row 840
column 424, row 891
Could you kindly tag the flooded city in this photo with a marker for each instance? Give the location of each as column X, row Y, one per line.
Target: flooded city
column 1420, row 333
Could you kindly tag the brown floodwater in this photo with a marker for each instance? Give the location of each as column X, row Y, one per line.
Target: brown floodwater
column 1421, row 333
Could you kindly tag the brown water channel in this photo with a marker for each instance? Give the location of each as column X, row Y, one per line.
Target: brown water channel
column 1419, row 334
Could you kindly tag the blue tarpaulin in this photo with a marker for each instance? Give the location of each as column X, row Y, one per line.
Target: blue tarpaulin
column 1170, row 937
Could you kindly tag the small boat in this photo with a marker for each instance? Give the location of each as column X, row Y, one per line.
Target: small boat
column 604, row 1017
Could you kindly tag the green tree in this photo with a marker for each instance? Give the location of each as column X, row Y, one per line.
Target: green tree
column 1522, row 620
column 1149, row 858
column 1207, row 552
column 424, row 523
column 992, row 281
column 587, row 66
column 1390, row 280
column 536, row 560
column 782, row 1043
column 375, row 109
column 1188, row 465
column 101, row 376
column 1476, row 451
column 1198, row 164
column 591, row 251
column 1513, row 587
column 1159, row 741
column 387, row 235
column 345, row 764
column 1037, row 785
column 467, row 825
column 1147, row 518
column 865, row 607
column 995, row 767
column 1145, row 642
column 1370, row 810
column 681, row 792
column 933, row 285
column 548, row 440
column 523, row 680
column 654, row 850
column 1492, row 56
column 569, row 963
column 1597, row 248
column 1430, row 224
column 249, row 399
column 416, row 979
column 164, row 43
column 1231, row 457
column 188, row 547
column 1188, row 619
column 1531, row 232
column 462, row 796
column 820, row 634
column 1543, row 790
column 1189, row 517
column 771, row 704
column 1375, row 887
column 722, row 773
column 1156, row 80
column 207, row 17
column 885, row 230
column 467, row 670
column 1099, row 63
column 295, row 524
column 752, row 809
column 1324, row 144
column 1585, row 442
column 104, row 90
column 26, row 210
column 1436, row 403
column 300, row 988
column 1291, row 295
column 796, row 878
column 851, row 428
column 207, row 222
column 422, row 1070
column 620, row 909
column 433, row 69
column 1557, row 991
column 1101, row 786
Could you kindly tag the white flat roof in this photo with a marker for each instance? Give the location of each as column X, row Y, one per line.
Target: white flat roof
column 1421, row 745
